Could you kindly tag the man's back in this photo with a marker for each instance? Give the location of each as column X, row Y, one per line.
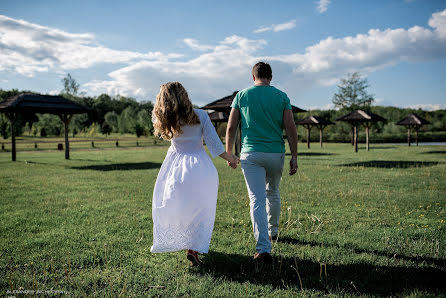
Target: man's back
column 261, row 110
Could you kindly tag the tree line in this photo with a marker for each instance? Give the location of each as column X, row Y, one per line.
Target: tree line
column 118, row 114
column 125, row 115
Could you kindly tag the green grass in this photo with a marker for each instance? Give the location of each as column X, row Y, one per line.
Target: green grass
column 370, row 223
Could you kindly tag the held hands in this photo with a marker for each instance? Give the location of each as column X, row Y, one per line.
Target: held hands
column 293, row 165
column 233, row 161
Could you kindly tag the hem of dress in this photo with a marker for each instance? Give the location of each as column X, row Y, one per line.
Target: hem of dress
column 179, row 249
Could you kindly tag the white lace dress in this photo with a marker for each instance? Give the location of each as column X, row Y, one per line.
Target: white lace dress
column 185, row 194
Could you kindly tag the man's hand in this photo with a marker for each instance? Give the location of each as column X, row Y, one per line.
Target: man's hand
column 233, row 161
column 293, row 165
column 291, row 134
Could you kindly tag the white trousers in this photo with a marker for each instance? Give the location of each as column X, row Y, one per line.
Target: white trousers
column 263, row 172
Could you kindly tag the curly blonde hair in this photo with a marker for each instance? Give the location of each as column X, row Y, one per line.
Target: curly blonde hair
column 172, row 110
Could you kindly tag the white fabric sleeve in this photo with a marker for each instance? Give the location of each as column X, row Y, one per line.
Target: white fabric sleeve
column 211, row 137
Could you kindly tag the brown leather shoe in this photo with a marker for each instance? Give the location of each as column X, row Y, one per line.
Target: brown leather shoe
column 192, row 256
column 263, row 257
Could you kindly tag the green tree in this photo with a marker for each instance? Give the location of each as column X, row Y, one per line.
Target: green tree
column 106, row 128
column 145, row 122
column 127, row 120
column 4, row 126
column 70, row 86
column 102, row 105
column 78, row 123
column 352, row 93
column 49, row 125
column 112, row 120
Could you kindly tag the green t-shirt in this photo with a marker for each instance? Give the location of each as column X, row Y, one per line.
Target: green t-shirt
column 261, row 111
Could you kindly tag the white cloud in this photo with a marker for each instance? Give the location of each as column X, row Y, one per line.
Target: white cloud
column 328, row 106
column 278, row 27
column 438, row 21
column 28, row 48
column 428, row 107
column 223, row 67
column 227, row 66
column 322, row 5
column 332, row 58
column 193, row 44
column 54, row 92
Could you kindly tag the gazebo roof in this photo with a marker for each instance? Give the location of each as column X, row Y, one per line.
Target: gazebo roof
column 315, row 120
column 224, row 104
column 412, row 119
column 361, row 116
column 37, row 103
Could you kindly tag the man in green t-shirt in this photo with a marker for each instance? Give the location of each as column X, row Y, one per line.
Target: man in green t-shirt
column 264, row 111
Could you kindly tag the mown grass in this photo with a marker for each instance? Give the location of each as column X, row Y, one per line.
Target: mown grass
column 370, row 223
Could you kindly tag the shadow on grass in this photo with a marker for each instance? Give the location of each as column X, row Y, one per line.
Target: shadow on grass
column 435, row 152
column 311, row 154
column 121, row 166
column 382, row 147
column 401, row 164
column 359, row 278
column 349, row 247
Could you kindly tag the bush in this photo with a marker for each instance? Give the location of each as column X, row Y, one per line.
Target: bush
column 43, row 132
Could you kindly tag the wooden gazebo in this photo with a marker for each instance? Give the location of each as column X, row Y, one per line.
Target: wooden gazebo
column 218, row 117
column 360, row 117
column 316, row 121
column 412, row 121
column 37, row 103
column 224, row 105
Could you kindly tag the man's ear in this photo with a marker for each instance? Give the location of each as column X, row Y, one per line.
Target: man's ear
column 253, row 78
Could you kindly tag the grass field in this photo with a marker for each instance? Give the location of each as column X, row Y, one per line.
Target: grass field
column 370, row 223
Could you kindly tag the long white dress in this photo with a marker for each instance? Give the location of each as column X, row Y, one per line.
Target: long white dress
column 185, row 193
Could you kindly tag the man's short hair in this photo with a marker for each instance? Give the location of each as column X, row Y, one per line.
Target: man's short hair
column 262, row 70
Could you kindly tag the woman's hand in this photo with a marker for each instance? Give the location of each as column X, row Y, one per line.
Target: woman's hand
column 233, row 161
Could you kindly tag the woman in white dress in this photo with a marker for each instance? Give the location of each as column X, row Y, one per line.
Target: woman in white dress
column 185, row 193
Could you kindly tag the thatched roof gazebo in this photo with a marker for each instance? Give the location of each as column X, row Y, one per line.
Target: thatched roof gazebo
column 360, row 117
column 37, row 103
column 412, row 121
column 316, row 121
column 224, row 105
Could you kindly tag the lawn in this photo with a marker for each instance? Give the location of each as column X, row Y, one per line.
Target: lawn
column 370, row 223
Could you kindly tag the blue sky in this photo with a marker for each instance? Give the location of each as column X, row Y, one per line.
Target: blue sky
column 132, row 47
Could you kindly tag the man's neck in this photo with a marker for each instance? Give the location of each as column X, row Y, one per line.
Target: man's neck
column 262, row 82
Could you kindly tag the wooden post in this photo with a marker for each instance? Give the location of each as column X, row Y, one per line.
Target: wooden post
column 320, row 135
column 408, row 136
column 308, row 136
column 367, row 136
column 355, row 137
column 416, row 133
column 66, row 121
column 12, row 117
